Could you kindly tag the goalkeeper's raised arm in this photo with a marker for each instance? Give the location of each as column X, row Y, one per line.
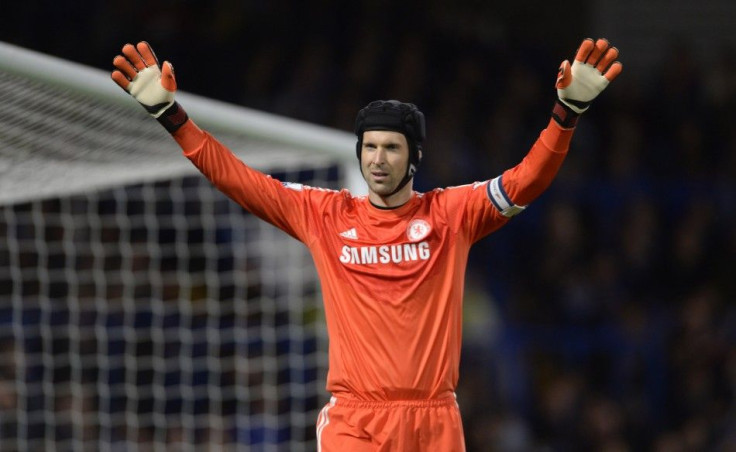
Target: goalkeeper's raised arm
column 578, row 84
column 153, row 85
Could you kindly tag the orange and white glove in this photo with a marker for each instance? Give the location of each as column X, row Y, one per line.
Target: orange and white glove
column 594, row 67
column 137, row 71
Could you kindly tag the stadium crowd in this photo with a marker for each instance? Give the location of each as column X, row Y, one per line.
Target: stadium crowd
column 603, row 318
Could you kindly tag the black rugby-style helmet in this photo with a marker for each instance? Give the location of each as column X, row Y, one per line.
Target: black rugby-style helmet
column 399, row 117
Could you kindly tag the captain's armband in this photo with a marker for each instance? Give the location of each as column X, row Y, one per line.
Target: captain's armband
column 500, row 198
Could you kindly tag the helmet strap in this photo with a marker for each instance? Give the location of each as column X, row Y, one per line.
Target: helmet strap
column 409, row 174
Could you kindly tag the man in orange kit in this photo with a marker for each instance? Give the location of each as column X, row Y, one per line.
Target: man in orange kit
column 392, row 263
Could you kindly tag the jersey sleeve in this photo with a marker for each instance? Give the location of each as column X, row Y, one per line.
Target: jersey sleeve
column 486, row 206
column 469, row 211
column 520, row 185
column 288, row 206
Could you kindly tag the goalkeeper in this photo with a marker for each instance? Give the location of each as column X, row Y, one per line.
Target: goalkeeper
column 391, row 263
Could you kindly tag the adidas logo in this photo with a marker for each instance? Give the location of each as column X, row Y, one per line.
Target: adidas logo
column 350, row 234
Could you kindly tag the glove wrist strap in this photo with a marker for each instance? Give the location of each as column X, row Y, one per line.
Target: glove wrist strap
column 173, row 117
column 564, row 115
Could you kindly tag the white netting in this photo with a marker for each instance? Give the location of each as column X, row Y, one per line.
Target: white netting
column 139, row 308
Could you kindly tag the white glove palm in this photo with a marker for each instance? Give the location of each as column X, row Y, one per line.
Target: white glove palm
column 139, row 74
column 591, row 72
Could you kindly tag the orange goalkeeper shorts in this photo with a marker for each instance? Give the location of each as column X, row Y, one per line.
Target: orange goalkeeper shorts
column 397, row 426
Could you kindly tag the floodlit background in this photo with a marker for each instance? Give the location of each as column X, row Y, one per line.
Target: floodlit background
column 603, row 318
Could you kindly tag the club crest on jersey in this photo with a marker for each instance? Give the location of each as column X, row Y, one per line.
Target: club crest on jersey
column 417, row 230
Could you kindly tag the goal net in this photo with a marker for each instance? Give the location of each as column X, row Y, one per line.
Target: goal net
column 139, row 308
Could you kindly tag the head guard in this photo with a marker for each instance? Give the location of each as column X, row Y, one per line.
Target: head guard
column 395, row 116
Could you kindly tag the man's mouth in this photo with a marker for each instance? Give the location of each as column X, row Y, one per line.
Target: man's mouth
column 379, row 175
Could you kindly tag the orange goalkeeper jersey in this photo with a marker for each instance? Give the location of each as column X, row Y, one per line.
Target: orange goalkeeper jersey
column 392, row 279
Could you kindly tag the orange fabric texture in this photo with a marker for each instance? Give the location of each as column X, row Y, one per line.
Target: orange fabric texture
column 392, row 280
column 433, row 425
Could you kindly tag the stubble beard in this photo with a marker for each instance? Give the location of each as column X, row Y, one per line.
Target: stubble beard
column 383, row 188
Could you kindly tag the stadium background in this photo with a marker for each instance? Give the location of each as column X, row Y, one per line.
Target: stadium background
column 604, row 317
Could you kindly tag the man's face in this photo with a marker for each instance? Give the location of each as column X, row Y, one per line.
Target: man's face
column 383, row 160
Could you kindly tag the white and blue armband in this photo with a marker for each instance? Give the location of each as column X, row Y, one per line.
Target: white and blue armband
column 501, row 199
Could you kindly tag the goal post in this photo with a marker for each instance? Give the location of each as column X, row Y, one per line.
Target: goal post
column 140, row 309
column 57, row 112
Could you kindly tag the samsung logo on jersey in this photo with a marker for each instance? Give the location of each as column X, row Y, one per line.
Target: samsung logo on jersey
column 384, row 254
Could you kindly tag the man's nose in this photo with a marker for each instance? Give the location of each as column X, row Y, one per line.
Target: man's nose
column 379, row 156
